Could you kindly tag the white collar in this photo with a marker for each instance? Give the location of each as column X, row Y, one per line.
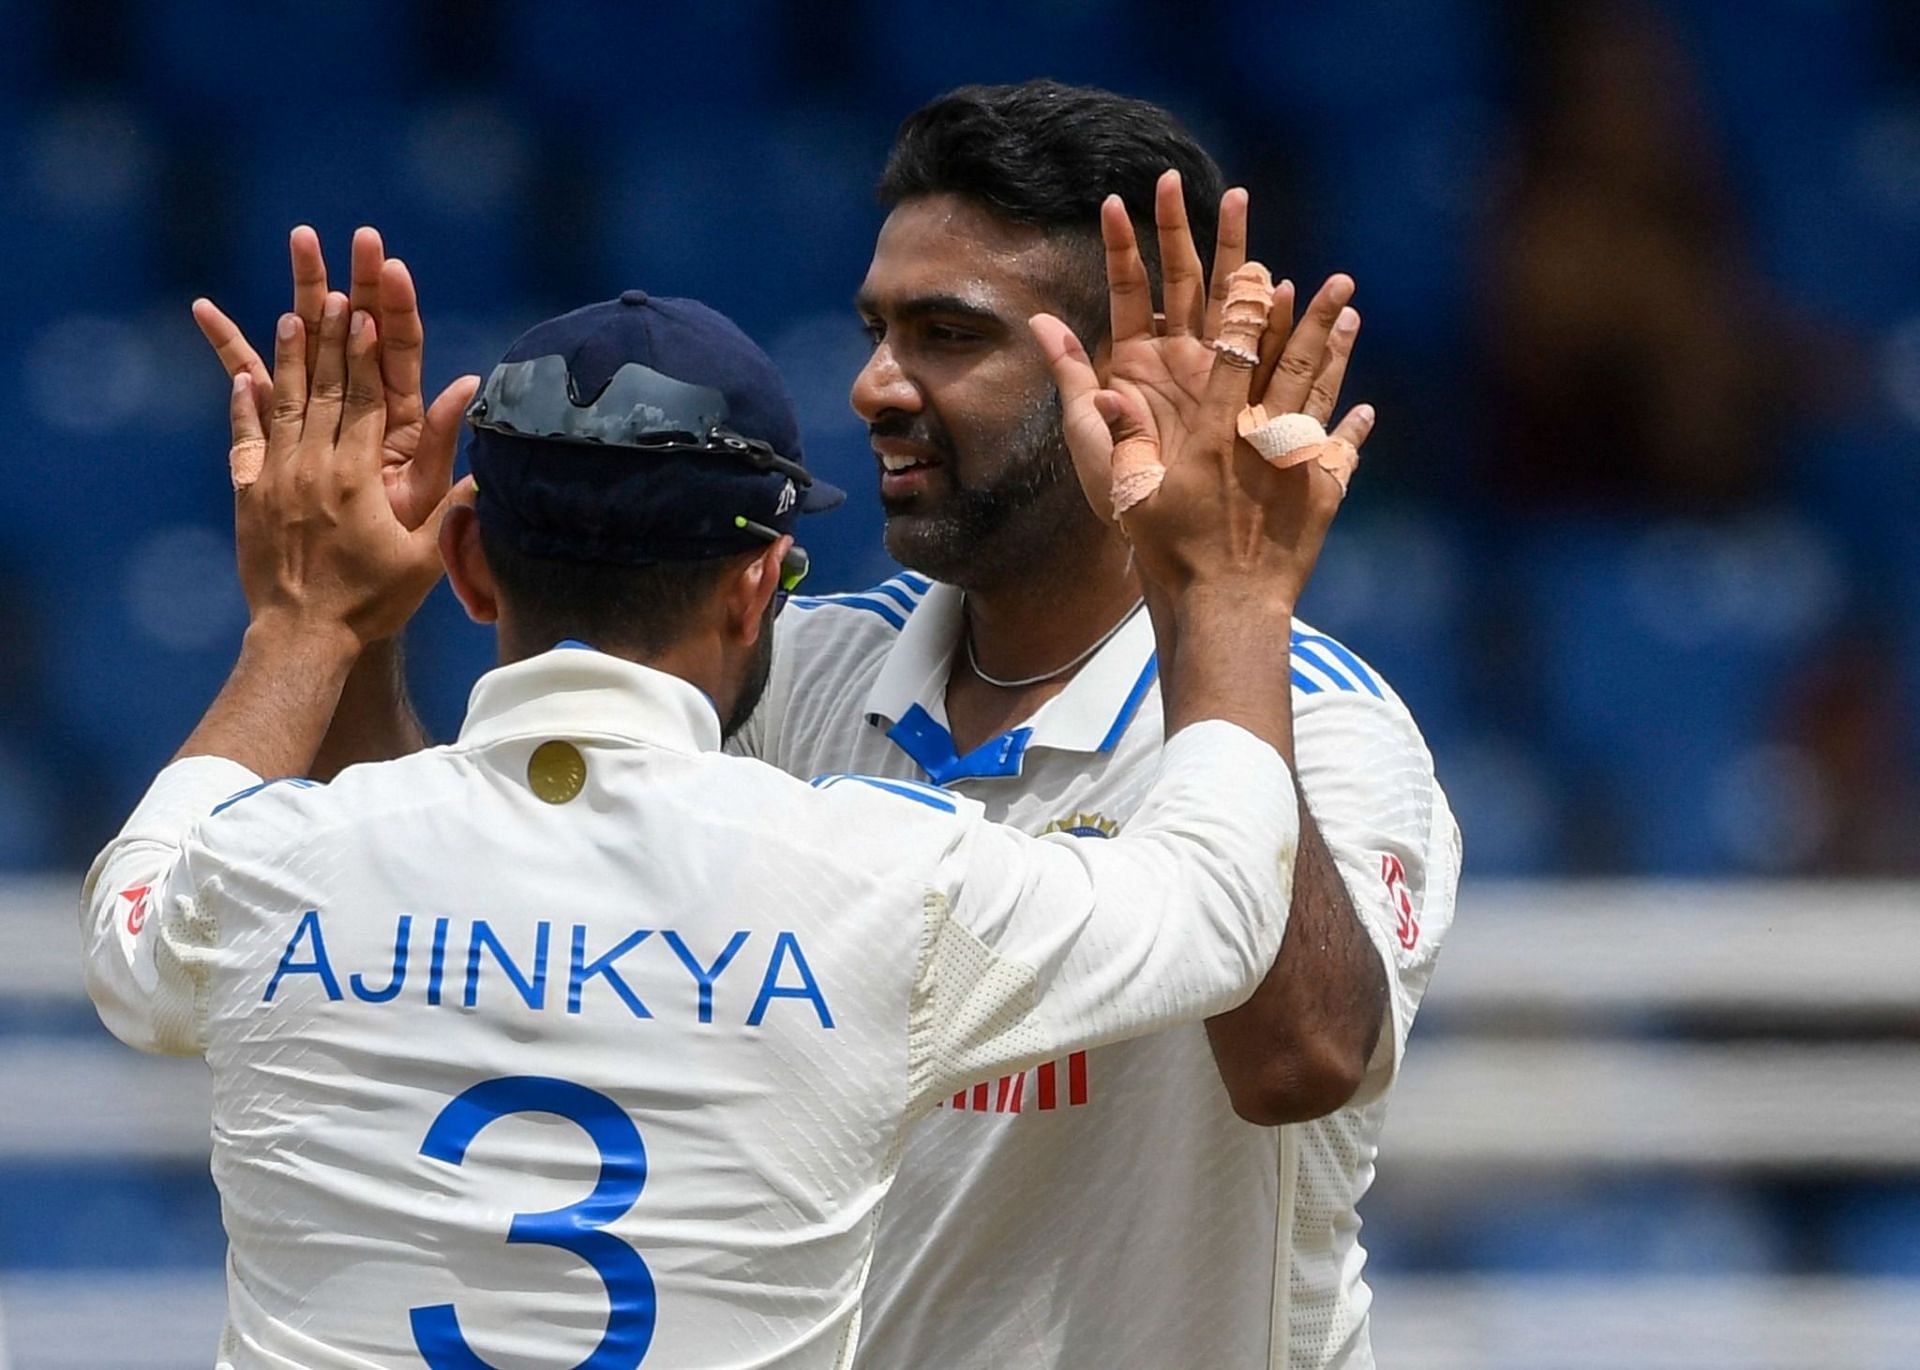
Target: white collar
column 578, row 692
column 1090, row 715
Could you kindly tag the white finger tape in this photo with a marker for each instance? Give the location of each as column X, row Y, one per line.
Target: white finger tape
column 1278, row 437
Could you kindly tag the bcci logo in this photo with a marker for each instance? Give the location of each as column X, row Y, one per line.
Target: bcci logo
column 1084, row 825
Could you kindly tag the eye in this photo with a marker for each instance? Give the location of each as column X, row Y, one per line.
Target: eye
column 943, row 333
column 875, row 331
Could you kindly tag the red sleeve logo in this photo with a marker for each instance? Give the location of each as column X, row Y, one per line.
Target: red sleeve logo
column 136, row 898
column 1395, row 875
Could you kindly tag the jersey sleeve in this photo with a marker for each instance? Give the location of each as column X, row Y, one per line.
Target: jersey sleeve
column 1368, row 780
column 1038, row 946
column 143, row 921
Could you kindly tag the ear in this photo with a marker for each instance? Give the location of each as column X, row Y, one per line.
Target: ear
column 751, row 590
column 467, row 569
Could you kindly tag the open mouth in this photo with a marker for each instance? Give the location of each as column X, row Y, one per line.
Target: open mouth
column 897, row 463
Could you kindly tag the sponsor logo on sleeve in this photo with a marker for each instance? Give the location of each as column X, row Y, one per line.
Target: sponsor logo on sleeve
column 1395, row 874
column 136, row 897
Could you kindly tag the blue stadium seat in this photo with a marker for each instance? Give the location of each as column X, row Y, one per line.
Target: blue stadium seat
column 29, row 814
column 1873, row 1230
column 265, row 69
column 629, row 65
column 906, row 54
column 1510, row 801
column 1661, row 651
column 819, row 355
column 1620, row 1227
column 80, row 1216
column 1394, row 586
column 146, row 633
column 443, row 183
column 1393, row 58
column 763, row 219
column 78, row 178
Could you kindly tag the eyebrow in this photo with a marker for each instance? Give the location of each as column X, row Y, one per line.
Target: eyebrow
column 924, row 306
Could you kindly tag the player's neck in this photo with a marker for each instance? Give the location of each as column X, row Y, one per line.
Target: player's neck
column 1031, row 626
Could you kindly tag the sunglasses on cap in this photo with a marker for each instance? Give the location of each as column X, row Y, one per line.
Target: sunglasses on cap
column 793, row 566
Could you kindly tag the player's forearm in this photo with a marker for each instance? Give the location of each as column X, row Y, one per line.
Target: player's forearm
column 1229, row 644
column 274, row 710
column 1299, row 1048
column 375, row 720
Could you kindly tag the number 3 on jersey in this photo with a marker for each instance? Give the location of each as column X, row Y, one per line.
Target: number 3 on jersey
column 575, row 1228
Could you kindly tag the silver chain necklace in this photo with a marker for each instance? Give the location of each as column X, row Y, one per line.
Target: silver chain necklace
column 1057, row 671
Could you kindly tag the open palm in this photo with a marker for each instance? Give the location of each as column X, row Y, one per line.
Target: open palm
column 420, row 440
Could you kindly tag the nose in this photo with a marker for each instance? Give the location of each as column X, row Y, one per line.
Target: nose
column 881, row 387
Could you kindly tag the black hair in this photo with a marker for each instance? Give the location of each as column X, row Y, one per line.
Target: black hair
column 643, row 609
column 1048, row 154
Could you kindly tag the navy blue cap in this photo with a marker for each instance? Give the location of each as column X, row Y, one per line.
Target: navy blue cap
column 637, row 486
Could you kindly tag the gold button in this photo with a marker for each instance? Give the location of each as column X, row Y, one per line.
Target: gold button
column 556, row 771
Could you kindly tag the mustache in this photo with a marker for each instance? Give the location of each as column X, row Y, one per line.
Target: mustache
column 921, row 429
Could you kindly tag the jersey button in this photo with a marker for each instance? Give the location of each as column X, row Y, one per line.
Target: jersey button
column 556, row 772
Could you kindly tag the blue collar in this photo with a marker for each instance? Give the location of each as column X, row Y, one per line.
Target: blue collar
column 1090, row 716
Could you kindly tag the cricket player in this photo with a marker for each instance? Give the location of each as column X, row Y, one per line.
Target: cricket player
column 578, row 1041
column 1216, row 1169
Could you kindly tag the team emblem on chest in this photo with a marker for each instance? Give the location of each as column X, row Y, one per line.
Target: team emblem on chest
column 1083, row 825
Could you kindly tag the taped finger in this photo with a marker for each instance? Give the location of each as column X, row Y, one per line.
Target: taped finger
column 1338, row 458
column 1283, row 439
column 1244, row 316
column 247, row 457
column 1137, row 469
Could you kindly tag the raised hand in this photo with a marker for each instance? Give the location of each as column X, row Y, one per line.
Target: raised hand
column 419, row 441
column 1159, row 443
column 1300, row 368
column 321, row 549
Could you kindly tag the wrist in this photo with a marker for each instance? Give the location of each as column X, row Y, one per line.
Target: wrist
column 318, row 643
column 1244, row 601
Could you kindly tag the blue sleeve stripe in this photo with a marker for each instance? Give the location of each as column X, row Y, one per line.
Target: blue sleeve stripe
column 905, row 789
column 898, row 594
column 297, row 781
column 1355, row 667
column 873, row 606
column 1305, row 684
column 1307, row 656
column 919, row 584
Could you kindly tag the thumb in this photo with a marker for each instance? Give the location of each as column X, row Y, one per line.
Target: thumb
column 426, row 538
column 1089, row 441
column 433, row 459
column 1136, row 469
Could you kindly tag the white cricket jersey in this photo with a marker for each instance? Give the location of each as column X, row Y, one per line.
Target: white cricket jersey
column 1108, row 1208
column 578, row 1042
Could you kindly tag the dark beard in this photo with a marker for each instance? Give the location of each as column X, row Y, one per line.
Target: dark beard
column 755, row 685
column 980, row 535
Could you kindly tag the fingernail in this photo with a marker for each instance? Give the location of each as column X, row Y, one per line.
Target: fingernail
column 1363, row 412
column 239, row 382
column 1286, row 283
column 334, row 305
column 1348, row 321
column 359, row 323
column 286, row 328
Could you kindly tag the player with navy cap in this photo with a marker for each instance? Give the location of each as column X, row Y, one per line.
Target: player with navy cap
column 577, row 1041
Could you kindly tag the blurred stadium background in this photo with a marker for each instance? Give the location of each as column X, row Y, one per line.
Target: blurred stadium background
column 1639, row 541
